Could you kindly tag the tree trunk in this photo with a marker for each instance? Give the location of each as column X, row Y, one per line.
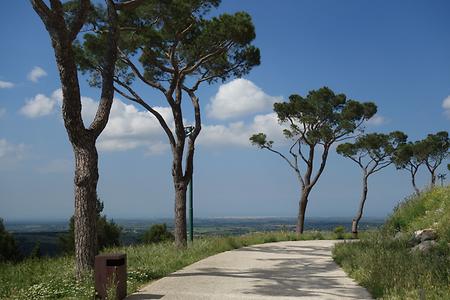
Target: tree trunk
column 85, row 183
column 433, row 178
column 413, row 180
column 180, row 213
column 302, row 210
column 359, row 214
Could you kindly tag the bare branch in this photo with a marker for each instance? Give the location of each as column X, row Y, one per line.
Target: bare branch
column 295, row 168
column 322, row 166
column 300, row 152
column 203, row 59
column 381, row 166
column 136, row 72
column 136, row 98
column 128, row 5
column 42, row 9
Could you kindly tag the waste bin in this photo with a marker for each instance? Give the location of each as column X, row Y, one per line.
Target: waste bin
column 111, row 275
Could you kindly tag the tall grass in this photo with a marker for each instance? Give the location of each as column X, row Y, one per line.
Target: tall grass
column 53, row 278
column 388, row 268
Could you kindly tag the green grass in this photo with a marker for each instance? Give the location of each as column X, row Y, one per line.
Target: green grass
column 386, row 266
column 53, row 278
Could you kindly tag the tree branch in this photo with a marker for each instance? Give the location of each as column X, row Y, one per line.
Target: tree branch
column 157, row 115
column 80, row 18
column 128, row 5
column 322, row 165
column 42, row 9
column 136, row 72
column 107, row 94
column 203, row 59
column 296, row 170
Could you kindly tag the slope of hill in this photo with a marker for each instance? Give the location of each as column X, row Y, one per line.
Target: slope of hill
column 391, row 265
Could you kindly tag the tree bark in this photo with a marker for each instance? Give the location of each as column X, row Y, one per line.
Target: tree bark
column 359, row 214
column 433, row 178
column 413, row 181
column 302, row 210
column 180, row 213
column 83, row 140
column 85, row 186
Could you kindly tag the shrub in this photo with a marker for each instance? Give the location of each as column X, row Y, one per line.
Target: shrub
column 339, row 231
column 157, row 233
column 8, row 247
column 108, row 233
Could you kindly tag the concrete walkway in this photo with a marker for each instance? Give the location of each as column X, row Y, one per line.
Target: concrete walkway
column 285, row 270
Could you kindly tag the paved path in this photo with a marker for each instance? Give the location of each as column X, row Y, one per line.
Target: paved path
column 285, row 270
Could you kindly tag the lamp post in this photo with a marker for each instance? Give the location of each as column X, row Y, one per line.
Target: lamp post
column 187, row 131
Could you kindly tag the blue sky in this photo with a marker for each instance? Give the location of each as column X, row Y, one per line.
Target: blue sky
column 395, row 53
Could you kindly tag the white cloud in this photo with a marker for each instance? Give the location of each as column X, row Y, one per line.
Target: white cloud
column 11, row 152
column 446, row 106
column 38, row 106
column 129, row 128
column 238, row 98
column 36, row 73
column 238, row 133
column 377, row 120
column 6, row 85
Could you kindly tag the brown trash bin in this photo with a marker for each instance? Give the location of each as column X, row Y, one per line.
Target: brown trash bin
column 111, row 270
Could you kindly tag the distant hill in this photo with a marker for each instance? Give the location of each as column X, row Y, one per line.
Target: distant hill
column 28, row 233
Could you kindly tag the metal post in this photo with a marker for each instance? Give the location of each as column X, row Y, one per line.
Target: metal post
column 191, row 209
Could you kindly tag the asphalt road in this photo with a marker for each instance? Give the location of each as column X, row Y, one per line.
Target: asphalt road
column 284, row 270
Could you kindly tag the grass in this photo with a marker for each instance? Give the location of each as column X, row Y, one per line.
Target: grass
column 386, row 266
column 53, row 278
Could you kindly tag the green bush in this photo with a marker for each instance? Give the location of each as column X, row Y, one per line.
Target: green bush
column 108, row 233
column 339, row 231
column 157, row 233
column 8, row 247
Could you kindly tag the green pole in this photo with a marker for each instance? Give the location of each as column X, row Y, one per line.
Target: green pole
column 191, row 209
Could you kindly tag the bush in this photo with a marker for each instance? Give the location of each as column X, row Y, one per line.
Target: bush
column 339, row 231
column 157, row 233
column 8, row 247
column 108, row 233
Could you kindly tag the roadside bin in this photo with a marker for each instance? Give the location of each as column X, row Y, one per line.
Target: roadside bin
column 111, row 273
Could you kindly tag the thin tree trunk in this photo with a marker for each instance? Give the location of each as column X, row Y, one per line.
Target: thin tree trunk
column 359, row 214
column 180, row 213
column 433, row 178
column 85, row 184
column 413, row 181
column 302, row 210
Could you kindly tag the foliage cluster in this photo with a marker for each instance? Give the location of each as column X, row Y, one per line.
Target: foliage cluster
column 157, row 233
column 387, row 267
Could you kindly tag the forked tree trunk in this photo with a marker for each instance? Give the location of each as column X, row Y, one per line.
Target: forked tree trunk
column 85, row 185
column 359, row 214
column 302, row 210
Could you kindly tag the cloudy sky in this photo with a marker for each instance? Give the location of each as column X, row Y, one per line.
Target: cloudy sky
column 395, row 53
